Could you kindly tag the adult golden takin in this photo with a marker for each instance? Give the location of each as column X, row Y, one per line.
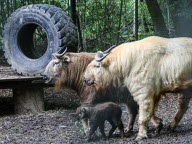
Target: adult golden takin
column 147, row 68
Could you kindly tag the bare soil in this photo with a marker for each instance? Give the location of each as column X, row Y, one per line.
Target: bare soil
column 58, row 125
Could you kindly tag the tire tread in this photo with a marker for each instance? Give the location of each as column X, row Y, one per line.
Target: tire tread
column 66, row 30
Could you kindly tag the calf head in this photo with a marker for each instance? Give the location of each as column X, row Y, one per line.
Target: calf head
column 82, row 112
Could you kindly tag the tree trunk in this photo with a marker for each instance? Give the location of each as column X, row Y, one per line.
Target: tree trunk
column 3, row 15
column 73, row 11
column 144, row 21
column 182, row 24
column 120, row 15
column 79, row 34
column 15, row 4
column 76, row 21
column 8, row 11
column 135, row 20
column 157, row 18
column 53, row 2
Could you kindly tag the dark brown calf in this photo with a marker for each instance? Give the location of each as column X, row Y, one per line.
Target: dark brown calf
column 98, row 114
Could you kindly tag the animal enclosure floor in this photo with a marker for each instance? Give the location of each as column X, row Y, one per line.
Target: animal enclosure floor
column 61, row 127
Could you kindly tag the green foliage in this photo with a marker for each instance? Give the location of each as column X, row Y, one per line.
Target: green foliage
column 185, row 8
column 105, row 22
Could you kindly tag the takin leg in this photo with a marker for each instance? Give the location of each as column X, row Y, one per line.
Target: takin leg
column 86, row 127
column 183, row 100
column 101, row 128
column 120, row 127
column 133, row 111
column 113, row 128
column 146, row 110
column 93, row 128
column 157, row 122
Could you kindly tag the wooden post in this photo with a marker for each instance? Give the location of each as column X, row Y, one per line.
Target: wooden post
column 28, row 100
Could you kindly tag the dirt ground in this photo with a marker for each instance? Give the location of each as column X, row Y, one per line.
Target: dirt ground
column 58, row 125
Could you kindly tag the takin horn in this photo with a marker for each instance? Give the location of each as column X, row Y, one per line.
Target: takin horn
column 107, row 51
column 58, row 55
column 100, row 55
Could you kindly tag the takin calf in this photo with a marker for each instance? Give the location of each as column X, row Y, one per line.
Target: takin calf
column 100, row 113
column 147, row 68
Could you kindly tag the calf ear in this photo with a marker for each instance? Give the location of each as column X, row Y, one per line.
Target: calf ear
column 85, row 109
column 77, row 111
column 66, row 59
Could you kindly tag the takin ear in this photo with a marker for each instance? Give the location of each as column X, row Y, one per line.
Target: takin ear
column 54, row 56
column 77, row 111
column 85, row 109
column 66, row 59
column 105, row 63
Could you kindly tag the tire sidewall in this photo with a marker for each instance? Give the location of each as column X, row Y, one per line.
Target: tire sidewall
column 14, row 53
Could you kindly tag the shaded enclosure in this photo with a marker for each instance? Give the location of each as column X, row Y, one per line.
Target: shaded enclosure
column 101, row 23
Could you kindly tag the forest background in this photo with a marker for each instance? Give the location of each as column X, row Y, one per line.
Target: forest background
column 102, row 23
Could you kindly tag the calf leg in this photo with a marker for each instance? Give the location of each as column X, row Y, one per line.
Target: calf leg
column 93, row 128
column 85, row 123
column 133, row 111
column 120, row 127
column 183, row 100
column 101, row 128
column 112, row 129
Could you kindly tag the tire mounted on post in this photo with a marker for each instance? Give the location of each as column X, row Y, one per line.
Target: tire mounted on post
column 18, row 37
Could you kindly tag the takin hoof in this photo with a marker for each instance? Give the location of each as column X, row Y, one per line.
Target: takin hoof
column 123, row 135
column 171, row 129
column 140, row 137
column 89, row 139
column 104, row 138
column 159, row 128
column 86, row 133
column 108, row 137
column 128, row 130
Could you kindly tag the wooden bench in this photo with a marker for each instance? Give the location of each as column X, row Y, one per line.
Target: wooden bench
column 27, row 91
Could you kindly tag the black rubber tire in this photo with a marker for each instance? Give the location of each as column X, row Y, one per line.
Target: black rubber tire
column 18, row 36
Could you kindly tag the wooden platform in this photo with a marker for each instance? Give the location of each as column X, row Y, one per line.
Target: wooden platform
column 27, row 91
column 10, row 79
column 8, row 74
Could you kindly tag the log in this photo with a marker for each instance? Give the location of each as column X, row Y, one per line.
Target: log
column 28, row 100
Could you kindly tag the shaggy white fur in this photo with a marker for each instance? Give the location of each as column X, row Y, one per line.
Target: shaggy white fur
column 147, row 68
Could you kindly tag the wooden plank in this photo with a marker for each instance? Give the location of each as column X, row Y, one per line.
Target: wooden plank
column 10, row 79
column 19, row 78
column 8, row 74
